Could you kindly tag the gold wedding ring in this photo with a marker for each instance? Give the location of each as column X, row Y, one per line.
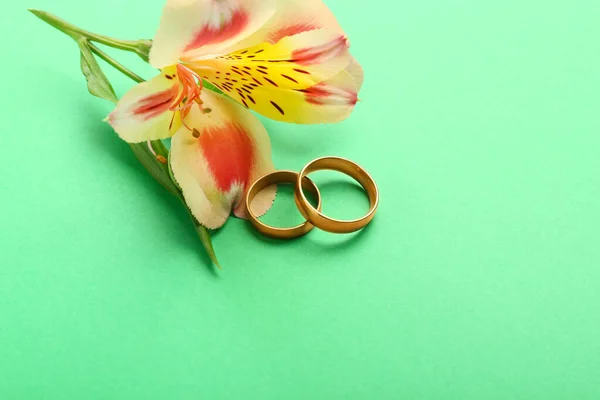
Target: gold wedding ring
column 315, row 216
column 273, row 179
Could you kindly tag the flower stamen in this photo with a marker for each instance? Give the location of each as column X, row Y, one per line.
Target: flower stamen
column 189, row 93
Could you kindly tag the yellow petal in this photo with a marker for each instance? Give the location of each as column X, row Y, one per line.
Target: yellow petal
column 144, row 113
column 217, row 159
column 284, row 81
column 193, row 28
column 327, row 102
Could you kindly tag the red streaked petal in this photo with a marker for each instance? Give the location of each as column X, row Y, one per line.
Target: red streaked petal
column 293, row 17
column 145, row 112
column 321, row 52
column 157, row 103
column 325, row 94
column 216, row 161
column 229, row 153
column 289, row 30
column 195, row 28
column 214, row 34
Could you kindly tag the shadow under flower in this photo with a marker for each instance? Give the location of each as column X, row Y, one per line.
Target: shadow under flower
column 105, row 139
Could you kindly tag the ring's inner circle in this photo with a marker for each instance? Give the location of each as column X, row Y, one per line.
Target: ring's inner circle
column 284, row 213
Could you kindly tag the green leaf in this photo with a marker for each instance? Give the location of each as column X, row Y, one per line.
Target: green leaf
column 211, row 87
column 98, row 84
column 170, row 169
column 204, row 235
column 157, row 170
column 203, row 232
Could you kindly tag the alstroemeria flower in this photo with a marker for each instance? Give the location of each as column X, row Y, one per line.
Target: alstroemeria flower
column 285, row 59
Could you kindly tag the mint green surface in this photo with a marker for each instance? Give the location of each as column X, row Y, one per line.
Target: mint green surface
column 478, row 279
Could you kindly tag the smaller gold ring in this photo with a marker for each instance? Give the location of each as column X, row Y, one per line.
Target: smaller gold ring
column 315, row 216
column 273, row 179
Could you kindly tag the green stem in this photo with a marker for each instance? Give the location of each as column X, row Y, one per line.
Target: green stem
column 140, row 47
column 117, row 65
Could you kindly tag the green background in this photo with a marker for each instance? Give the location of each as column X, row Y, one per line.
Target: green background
column 478, row 279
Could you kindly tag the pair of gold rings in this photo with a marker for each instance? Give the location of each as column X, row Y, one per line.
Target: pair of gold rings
column 314, row 216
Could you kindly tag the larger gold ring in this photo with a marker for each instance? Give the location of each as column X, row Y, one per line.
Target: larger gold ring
column 315, row 216
column 273, row 179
